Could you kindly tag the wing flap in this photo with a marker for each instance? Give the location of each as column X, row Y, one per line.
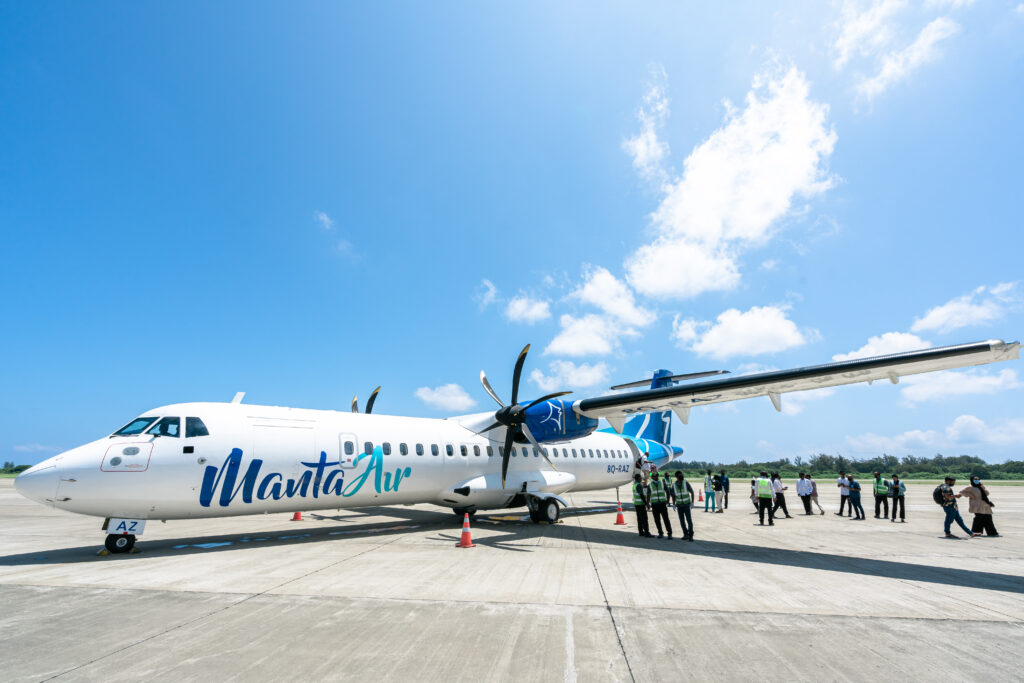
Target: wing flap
column 681, row 398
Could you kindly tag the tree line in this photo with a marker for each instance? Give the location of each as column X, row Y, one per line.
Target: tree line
column 10, row 468
column 907, row 467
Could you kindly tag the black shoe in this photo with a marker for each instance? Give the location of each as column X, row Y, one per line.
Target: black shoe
column 771, row 523
column 661, row 535
column 690, row 539
column 837, row 513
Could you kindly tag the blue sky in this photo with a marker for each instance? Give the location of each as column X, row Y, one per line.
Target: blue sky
column 304, row 201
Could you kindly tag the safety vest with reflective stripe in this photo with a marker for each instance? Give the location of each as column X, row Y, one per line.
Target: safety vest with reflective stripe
column 682, row 493
column 658, row 494
column 880, row 487
column 638, row 497
column 764, row 488
column 709, row 486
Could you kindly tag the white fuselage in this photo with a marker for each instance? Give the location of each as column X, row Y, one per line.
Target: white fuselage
column 258, row 459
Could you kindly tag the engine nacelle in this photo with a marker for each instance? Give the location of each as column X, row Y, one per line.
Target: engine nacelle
column 555, row 420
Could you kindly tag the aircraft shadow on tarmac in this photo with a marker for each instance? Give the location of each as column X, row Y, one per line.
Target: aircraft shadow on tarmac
column 515, row 536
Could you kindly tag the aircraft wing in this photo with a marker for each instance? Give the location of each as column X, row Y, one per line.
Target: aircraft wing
column 680, row 399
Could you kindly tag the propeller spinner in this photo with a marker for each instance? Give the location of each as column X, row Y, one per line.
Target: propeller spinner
column 513, row 416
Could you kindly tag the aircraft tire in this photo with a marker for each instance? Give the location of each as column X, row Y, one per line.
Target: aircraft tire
column 534, row 515
column 548, row 511
column 119, row 543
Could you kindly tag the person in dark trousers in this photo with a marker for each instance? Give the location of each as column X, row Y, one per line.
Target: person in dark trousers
column 753, row 493
column 684, row 501
column 803, row 490
column 899, row 493
column 765, row 498
column 659, row 504
column 725, row 490
column 981, row 506
column 950, row 508
column 780, row 497
column 641, row 499
column 844, row 494
column 881, row 487
column 716, row 484
column 854, row 488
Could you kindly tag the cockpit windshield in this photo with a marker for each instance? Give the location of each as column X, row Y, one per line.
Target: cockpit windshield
column 136, row 426
column 167, row 426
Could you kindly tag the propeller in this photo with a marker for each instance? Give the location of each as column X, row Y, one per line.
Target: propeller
column 513, row 416
column 369, row 403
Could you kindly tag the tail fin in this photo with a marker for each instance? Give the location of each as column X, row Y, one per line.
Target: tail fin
column 653, row 426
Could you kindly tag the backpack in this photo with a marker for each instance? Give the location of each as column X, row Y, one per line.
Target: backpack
column 937, row 495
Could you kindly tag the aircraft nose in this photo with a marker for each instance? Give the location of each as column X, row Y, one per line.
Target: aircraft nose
column 39, row 482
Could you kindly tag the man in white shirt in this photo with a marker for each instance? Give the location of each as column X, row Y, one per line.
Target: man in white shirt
column 780, row 497
column 803, row 489
column 844, row 494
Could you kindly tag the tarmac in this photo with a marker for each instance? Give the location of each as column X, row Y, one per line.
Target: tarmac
column 383, row 594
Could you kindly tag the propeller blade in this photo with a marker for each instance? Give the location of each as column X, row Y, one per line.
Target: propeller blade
column 546, row 398
column 373, row 397
column 355, row 404
column 487, row 429
column 517, row 372
column 489, row 390
column 542, row 451
column 506, row 453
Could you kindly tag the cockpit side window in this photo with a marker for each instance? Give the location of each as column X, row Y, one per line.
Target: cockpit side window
column 136, row 426
column 167, row 426
column 195, row 427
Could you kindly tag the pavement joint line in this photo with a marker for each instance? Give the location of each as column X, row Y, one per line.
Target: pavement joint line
column 216, row 611
column 611, row 614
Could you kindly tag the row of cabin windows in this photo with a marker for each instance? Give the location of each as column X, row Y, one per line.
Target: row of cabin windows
column 449, row 449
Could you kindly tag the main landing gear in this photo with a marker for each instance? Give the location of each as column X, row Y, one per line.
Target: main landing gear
column 543, row 510
column 119, row 543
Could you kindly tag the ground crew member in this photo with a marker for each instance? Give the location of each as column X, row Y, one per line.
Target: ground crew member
column 641, row 499
column 659, row 504
column 899, row 491
column 684, row 499
column 854, row 488
column 765, row 499
column 724, row 503
column 881, row 488
column 709, row 492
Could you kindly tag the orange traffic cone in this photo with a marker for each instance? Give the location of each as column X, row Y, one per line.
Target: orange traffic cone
column 619, row 519
column 297, row 517
column 467, row 540
column 700, row 495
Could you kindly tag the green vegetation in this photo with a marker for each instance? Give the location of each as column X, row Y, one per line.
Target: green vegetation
column 11, row 470
column 910, row 468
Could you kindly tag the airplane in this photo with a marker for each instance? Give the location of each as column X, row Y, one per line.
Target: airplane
column 204, row 460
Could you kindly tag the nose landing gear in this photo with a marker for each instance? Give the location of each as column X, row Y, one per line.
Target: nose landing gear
column 119, row 543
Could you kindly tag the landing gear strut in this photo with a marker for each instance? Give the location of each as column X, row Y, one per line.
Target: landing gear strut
column 119, row 543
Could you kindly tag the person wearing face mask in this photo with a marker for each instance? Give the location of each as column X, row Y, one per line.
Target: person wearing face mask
column 981, row 507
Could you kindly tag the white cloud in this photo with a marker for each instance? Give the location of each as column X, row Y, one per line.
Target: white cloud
column 762, row 329
column 563, row 374
column 1019, row 9
column 982, row 306
column 950, row 4
column 611, row 295
column 864, row 30
column 34, row 448
column 897, row 66
column 769, row 264
column 486, row 294
column 446, row 397
column 323, row 219
column 523, row 309
column 966, row 430
column 890, row 342
column 941, row 385
column 646, row 149
column 735, row 188
column 794, row 403
column 589, row 335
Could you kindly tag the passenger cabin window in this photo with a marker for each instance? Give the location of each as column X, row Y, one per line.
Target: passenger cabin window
column 433, row 449
column 368, row 448
column 386, row 447
column 419, row 449
column 403, row 449
column 136, row 426
column 448, row 449
column 195, row 427
column 350, row 448
column 490, row 452
column 463, row 450
column 167, row 426
column 476, row 450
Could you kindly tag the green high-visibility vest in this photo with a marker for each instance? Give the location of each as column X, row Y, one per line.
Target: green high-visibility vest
column 880, row 488
column 682, row 493
column 658, row 494
column 638, row 497
column 764, row 488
